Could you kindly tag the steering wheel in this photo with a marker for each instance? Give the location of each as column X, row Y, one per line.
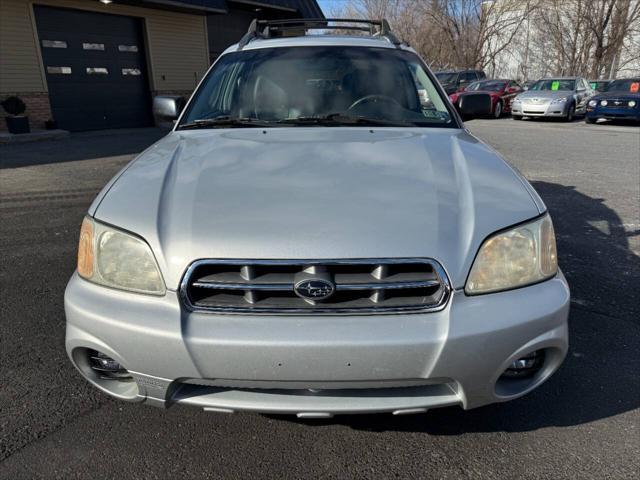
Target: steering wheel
column 374, row 98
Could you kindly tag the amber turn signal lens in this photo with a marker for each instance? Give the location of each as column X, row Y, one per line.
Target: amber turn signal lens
column 85, row 249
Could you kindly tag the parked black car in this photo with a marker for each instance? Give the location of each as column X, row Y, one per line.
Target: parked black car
column 454, row 80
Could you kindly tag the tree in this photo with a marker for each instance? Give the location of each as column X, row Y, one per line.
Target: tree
column 515, row 38
column 449, row 33
column 587, row 37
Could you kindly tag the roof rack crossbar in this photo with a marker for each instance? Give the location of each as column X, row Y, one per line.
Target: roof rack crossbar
column 264, row 28
column 252, row 32
column 322, row 20
column 282, row 28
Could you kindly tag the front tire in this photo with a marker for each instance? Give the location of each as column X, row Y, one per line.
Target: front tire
column 570, row 113
column 497, row 110
column 516, row 117
column 590, row 120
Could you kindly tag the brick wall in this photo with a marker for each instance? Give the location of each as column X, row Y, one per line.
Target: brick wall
column 38, row 109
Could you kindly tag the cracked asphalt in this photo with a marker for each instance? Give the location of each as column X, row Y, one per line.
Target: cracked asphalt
column 583, row 423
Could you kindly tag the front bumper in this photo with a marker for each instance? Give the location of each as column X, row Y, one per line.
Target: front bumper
column 317, row 366
column 624, row 113
column 539, row 110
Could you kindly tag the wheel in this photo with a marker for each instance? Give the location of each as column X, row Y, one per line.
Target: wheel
column 590, row 120
column 570, row 113
column 516, row 117
column 497, row 111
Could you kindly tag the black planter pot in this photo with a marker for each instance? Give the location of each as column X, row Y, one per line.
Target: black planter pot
column 18, row 124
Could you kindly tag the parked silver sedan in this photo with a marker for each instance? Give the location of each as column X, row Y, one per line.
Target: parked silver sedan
column 553, row 97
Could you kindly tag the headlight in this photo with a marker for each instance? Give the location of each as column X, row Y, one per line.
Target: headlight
column 116, row 259
column 559, row 100
column 593, row 103
column 521, row 256
column 632, row 103
column 604, row 103
column 517, row 99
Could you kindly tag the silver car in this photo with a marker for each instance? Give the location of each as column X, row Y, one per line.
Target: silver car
column 563, row 97
column 316, row 237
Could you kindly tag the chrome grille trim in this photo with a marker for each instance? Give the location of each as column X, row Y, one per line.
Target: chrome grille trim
column 377, row 286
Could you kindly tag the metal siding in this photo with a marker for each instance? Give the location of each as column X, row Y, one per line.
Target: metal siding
column 179, row 52
column 19, row 61
column 177, row 44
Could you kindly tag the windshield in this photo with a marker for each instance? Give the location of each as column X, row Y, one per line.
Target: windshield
column 444, row 77
column 338, row 85
column 628, row 85
column 554, row 84
column 487, row 86
column 600, row 85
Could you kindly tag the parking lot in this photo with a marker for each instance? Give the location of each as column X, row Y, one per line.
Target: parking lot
column 583, row 423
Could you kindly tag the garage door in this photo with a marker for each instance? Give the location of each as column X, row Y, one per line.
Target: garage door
column 95, row 67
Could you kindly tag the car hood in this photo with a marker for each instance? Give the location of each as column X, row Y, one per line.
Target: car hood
column 546, row 94
column 493, row 93
column 618, row 95
column 316, row 193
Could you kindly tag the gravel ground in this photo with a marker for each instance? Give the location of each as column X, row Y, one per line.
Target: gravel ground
column 583, row 423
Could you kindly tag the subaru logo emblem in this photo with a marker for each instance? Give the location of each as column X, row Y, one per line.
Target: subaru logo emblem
column 314, row 289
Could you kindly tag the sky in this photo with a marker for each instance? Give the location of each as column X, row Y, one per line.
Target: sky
column 326, row 5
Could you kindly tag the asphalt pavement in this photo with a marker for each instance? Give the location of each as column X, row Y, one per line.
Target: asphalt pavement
column 583, row 423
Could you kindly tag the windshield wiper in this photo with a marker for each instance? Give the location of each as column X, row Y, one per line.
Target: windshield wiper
column 341, row 119
column 223, row 121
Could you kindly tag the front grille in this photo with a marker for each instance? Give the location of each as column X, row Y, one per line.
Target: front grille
column 315, row 286
column 616, row 104
column 537, row 101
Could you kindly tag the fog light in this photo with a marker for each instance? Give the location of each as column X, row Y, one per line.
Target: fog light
column 106, row 367
column 525, row 366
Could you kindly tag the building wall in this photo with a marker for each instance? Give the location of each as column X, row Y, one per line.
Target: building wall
column 227, row 29
column 176, row 43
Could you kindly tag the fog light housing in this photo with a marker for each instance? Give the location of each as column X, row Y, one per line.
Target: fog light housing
column 526, row 366
column 106, row 368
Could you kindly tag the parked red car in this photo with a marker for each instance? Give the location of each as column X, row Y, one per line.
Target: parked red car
column 502, row 94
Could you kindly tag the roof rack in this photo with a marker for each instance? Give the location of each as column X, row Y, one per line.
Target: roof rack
column 268, row 28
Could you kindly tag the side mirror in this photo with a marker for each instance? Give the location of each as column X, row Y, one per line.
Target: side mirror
column 167, row 108
column 525, row 88
column 474, row 105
